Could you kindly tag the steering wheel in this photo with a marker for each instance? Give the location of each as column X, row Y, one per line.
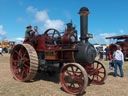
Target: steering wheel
column 51, row 36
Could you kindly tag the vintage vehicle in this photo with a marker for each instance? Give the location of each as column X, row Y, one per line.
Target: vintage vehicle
column 121, row 40
column 6, row 45
column 63, row 53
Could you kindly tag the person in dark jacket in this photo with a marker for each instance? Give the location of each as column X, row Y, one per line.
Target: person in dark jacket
column 101, row 53
column 107, row 53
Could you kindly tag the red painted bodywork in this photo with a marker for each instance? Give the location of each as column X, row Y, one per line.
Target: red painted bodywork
column 65, row 37
column 60, row 53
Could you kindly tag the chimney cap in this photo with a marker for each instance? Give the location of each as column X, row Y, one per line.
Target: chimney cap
column 83, row 9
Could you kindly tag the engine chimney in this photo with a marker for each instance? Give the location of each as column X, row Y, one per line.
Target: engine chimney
column 84, row 24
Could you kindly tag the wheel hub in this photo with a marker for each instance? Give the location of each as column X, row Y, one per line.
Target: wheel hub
column 96, row 72
column 21, row 62
column 71, row 79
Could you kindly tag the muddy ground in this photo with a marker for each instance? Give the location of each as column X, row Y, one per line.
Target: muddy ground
column 47, row 86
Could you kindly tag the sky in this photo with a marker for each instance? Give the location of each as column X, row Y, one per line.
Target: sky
column 106, row 18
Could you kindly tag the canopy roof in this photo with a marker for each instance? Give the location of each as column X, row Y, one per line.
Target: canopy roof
column 118, row 37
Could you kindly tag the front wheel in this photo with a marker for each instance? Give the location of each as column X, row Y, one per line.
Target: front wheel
column 73, row 78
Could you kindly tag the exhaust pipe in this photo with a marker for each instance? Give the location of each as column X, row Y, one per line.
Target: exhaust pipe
column 84, row 36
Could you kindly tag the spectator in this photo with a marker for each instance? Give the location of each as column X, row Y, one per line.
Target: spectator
column 1, row 51
column 28, row 33
column 35, row 32
column 101, row 53
column 107, row 53
column 118, row 61
column 97, row 51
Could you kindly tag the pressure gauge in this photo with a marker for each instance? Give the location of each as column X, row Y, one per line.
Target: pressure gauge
column 72, row 38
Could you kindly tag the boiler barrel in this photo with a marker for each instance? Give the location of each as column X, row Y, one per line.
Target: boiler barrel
column 86, row 53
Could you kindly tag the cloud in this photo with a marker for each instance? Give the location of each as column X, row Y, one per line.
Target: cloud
column 2, row 33
column 43, row 18
column 57, row 24
column 31, row 9
column 100, row 39
column 20, row 39
column 20, row 20
column 122, row 31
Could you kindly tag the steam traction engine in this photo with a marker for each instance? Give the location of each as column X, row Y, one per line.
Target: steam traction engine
column 122, row 41
column 51, row 52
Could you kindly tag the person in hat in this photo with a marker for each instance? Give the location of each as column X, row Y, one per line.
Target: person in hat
column 28, row 32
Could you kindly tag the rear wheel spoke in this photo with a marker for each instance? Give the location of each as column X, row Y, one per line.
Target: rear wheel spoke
column 26, row 71
column 22, row 74
column 26, row 65
column 16, row 52
column 20, row 53
column 15, row 61
column 26, row 59
column 25, row 54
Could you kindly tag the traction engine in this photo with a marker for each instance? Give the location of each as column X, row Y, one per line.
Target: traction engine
column 53, row 52
column 122, row 41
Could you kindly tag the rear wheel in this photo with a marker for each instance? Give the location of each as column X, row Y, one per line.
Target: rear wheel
column 24, row 62
column 73, row 78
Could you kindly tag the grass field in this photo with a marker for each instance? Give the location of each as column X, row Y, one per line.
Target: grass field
column 50, row 86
